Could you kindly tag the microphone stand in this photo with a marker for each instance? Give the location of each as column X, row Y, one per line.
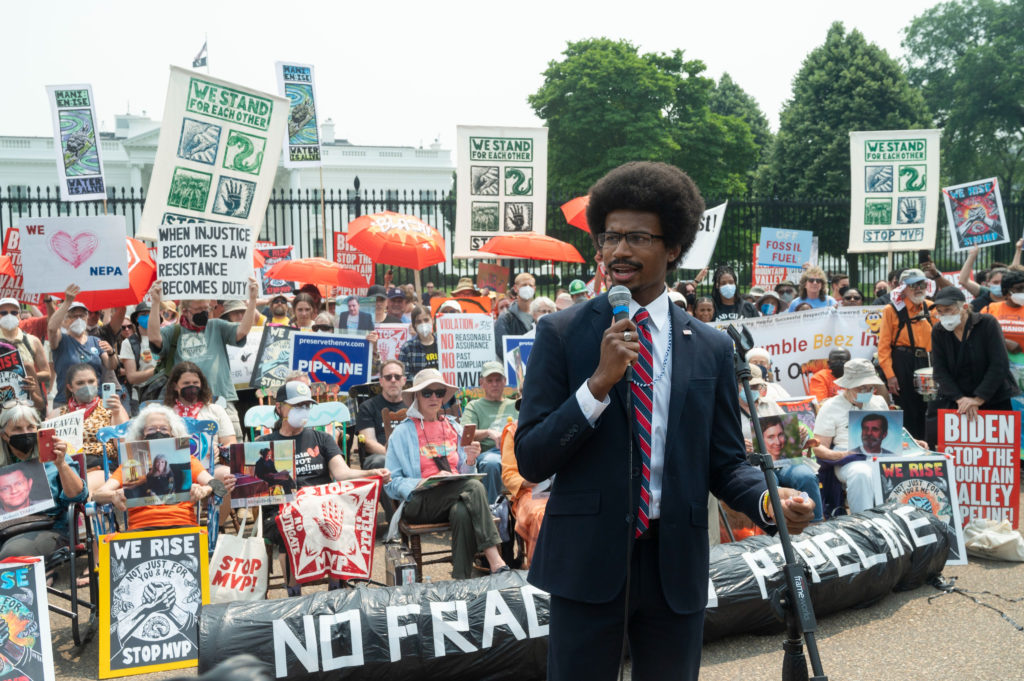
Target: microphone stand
column 792, row 602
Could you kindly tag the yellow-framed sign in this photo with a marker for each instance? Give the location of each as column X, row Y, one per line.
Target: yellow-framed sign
column 152, row 586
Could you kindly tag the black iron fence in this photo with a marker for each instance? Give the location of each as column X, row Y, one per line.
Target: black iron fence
column 302, row 217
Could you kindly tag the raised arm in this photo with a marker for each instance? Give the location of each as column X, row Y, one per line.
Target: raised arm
column 249, row 318
column 968, row 268
column 56, row 320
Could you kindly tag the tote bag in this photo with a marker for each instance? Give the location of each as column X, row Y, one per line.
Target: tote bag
column 239, row 568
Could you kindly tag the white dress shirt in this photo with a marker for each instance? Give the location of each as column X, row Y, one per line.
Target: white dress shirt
column 660, row 327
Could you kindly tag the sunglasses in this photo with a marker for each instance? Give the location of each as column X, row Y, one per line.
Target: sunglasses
column 4, row 313
column 392, row 377
column 852, row 298
column 428, row 393
column 127, row 327
column 815, row 281
column 323, row 327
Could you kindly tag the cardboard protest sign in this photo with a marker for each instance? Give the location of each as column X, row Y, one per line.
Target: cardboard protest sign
column 975, row 216
column 927, row 483
column 804, row 408
column 68, row 427
column 217, row 155
column 27, row 652
column 152, row 585
column 264, row 473
column 200, row 261
column 789, row 248
column 876, row 432
column 465, row 304
column 14, row 287
column 329, row 358
column 77, row 143
column 88, row 251
column 894, row 175
column 273, row 358
column 390, row 338
column 517, row 352
column 986, row 454
column 243, row 359
column 329, row 530
column 272, row 256
column 12, row 373
column 699, row 255
column 302, row 144
column 494, row 277
column 24, row 490
column 464, row 343
column 501, row 185
column 353, row 259
column 156, row 472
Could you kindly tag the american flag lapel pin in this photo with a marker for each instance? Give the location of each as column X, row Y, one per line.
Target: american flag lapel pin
column 687, row 332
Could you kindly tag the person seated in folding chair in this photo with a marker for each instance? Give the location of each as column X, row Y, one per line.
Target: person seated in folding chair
column 157, row 422
column 19, row 423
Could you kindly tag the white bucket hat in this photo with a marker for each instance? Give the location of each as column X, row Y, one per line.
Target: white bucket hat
column 857, row 373
column 425, row 379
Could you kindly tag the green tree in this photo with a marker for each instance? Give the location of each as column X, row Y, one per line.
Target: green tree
column 729, row 99
column 844, row 85
column 968, row 59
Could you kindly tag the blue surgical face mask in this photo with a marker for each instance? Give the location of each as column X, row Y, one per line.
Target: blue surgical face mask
column 996, row 289
column 727, row 290
column 864, row 398
column 143, row 321
column 767, row 308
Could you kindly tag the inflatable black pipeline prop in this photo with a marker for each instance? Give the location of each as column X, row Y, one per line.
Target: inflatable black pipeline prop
column 495, row 628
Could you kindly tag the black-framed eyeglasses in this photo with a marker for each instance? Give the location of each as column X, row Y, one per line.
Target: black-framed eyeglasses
column 392, row 377
column 635, row 239
column 428, row 393
column 322, row 327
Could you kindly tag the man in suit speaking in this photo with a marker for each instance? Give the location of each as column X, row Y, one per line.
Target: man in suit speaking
column 626, row 523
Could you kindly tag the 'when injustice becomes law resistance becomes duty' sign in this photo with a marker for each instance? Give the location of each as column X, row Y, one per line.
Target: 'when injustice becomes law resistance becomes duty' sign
column 201, row 261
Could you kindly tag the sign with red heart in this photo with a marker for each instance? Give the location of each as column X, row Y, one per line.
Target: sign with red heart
column 87, row 251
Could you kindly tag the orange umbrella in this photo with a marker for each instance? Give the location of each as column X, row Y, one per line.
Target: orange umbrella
column 575, row 212
column 315, row 271
column 258, row 261
column 396, row 239
column 7, row 266
column 141, row 275
column 533, row 247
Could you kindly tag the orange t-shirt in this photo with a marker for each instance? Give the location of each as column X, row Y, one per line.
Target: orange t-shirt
column 1010, row 318
column 823, row 385
column 183, row 513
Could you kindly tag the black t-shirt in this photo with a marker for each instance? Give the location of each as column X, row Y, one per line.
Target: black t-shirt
column 369, row 416
column 979, row 302
column 313, row 452
column 738, row 310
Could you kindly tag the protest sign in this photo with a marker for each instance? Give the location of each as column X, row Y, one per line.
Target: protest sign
column 12, row 373
column 152, row 585
column 24, row 490
column 927, row 483
column 785, row 439
column 494, row 277
column 200, row 261
column 329, row 358
column 390, row 338
column 875, row 432
column 272, row 256
column 217, row 155
column 699, row 255
column 273, row 358
column 14, row 287
column 894, row 175
column 765, row 276
column 986, row 453
column 156, row 472
column 77, row 143
column 464, row 343
column 68, row 427
column 302, row 144
column 27, row 652
column 501, row 185
column 975, row 216
column 789, row 248
column 516, row 353
column 354, row 259
column 88, row 251
column 243, row 359
column 803, row 406
column 465, row 304
column 264, row 473
column 799, row 343
column 329, row 530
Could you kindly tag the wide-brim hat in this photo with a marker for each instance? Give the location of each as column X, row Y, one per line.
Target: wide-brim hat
column 858, row 373
column 465, row 284
column 425, row 379
column 233, row 306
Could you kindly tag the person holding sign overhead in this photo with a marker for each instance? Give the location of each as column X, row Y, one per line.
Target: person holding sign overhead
column 71, row 343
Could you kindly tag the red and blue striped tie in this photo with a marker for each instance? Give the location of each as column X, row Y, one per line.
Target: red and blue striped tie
column 643, row 410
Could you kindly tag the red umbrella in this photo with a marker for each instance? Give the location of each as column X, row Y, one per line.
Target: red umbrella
column 575, row 212
column 7, row 266
column 533, row 247
column 396, row 239
column 141, row 275
column 258, row 261
column 315, row 271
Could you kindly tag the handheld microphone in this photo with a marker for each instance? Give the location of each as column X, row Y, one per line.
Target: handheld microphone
column 619, row 297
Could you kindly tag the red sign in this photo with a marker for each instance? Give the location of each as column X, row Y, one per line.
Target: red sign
column 272, row 255
column 986, row 451
column 492, row 276
column 353, row 259
column 767, row 277
column 14, row 287
column 329, row 530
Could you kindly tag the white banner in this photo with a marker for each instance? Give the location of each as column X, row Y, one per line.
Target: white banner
column 799, row 342
column 77, row 143
column 699, row 255
column 975, row 216
column 502, row 185
column 217, row 155
column 199, row 261
column 88, row 251
column 464, row 343
column 295, row 82
column 69, row 428
column 894, row 178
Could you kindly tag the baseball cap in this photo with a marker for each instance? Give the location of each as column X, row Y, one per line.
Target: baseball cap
column 280, row 297
column 395, row 292
column 9, row 301
column 376, row 291
column 492, row 367
column 576, row 287
column 76, row 305
column 294, row 392
column 944, row 296
column 912, row 276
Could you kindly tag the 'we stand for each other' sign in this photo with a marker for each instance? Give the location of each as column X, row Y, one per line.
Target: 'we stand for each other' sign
column 201, row 261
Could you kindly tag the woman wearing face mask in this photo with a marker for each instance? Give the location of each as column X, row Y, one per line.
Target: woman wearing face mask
column 1010, row 312
column 769, row 304
column 19, row 423
column 30, row 348
column 139, row 361
column 812, row 290
column 188, row 394
column 71, row 343
column 787, row 294
column 420, row 351
column 157, row 422
column 728, row 303
column 992, row 291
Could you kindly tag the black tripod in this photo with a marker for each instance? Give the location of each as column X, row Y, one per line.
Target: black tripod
column 791, row 603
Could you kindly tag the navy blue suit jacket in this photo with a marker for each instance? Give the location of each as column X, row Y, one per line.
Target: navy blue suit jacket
column 581, row 551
